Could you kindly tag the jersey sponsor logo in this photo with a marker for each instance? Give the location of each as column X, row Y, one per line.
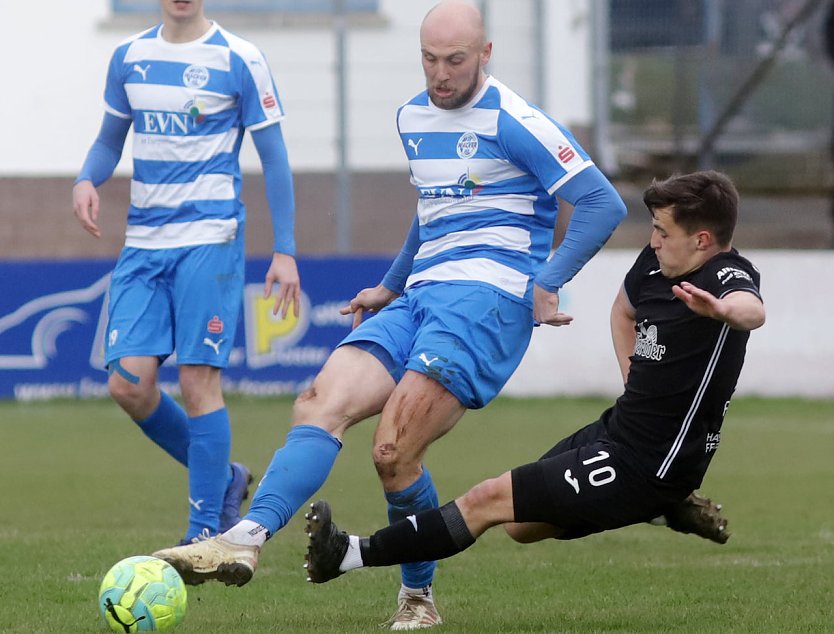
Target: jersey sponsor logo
column 730, row 273
column 142, row 71
column 470, row 182
column 566, row 154
column 195, row 109
column 713, row 440
column 415, row 145
column 467, row 145
column 654, row 272
column 215, row 325
column 646, row 345
column 195, row 76
column 269, row 102
column 166, row 123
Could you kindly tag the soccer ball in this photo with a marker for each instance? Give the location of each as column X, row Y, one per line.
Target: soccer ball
column 142, row 594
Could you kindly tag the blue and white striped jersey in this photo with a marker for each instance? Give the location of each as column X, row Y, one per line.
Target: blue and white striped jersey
column 486, row 174
column 190, row 104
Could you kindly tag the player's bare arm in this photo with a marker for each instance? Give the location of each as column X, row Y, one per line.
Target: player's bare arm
column 546, row 308
column 85, row 206
column 284, row 272
column 370, row 299
column 622, row 331
column 740, row 310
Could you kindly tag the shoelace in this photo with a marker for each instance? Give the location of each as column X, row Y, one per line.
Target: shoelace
column 202, row 536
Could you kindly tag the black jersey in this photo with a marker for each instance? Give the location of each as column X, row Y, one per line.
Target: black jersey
column 683, row 371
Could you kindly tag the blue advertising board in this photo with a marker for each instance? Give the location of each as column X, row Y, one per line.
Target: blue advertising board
column 53, row 323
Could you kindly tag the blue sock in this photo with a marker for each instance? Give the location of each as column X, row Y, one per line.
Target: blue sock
column 168, row 428
column 297, row 471
column 208, row 469
column 419, row 496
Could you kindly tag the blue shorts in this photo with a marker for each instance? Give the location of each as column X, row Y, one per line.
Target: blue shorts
column 185, row 300
column 469, row 338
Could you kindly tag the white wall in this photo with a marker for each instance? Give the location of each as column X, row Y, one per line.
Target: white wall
column 791, row 355
column 56, row 54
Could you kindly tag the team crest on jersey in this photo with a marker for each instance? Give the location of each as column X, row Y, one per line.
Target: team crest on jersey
column 467, row 145
column 195, row 76
column 646, row 345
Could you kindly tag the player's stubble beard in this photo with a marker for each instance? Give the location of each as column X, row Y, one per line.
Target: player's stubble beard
column 458, row 99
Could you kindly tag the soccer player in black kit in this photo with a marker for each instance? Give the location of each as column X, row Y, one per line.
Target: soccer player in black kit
column 680, row 325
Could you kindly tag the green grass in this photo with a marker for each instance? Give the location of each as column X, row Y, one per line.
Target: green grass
column 82, row 488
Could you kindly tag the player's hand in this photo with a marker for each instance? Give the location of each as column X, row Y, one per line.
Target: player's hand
column 546, row 308
column 370, row 299
column 698, row 300
column 284, row 272
column 85, row 206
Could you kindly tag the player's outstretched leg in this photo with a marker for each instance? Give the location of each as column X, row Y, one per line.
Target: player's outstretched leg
column 327, row 545
column 236, row 492
column 212, row 558
column 700, row 516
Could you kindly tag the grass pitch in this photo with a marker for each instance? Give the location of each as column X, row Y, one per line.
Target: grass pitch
column 82, row 488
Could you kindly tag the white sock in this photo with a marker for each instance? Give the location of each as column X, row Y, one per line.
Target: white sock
column 247, row 533
column 423, row 593
column 353, row 558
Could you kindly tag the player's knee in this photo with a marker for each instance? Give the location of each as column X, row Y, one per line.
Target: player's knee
column 484, row 494
column 386, row 458
column 130, row 395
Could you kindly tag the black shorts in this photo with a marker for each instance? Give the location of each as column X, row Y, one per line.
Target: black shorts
column 588, row 484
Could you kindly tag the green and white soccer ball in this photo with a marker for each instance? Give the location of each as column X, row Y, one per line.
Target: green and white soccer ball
column 142, row 594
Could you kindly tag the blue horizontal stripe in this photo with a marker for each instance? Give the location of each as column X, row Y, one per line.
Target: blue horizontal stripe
column 162, row 73
column 174, row 172
column 189, row 211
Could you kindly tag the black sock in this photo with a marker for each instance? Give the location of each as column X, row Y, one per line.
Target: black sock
column 434, row 534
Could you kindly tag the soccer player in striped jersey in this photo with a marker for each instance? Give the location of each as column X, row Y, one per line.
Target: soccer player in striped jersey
column 189, row 88
column 456, row 309
column 680, row 325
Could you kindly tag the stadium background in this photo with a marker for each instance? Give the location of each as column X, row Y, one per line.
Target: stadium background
column 643, row 84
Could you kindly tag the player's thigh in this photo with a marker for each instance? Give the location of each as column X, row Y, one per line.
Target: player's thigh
column 353, row 385
column 139, row 307
column 470, row 339
column 207, row 293
column 585, row 490
column 419, row 411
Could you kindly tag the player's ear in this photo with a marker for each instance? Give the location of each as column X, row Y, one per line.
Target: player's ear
column 704, row 240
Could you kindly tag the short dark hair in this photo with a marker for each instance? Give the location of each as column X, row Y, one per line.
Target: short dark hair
column 701, row 200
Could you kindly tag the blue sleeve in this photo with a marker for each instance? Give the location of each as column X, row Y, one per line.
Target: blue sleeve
column 106, row 151
column 598, row 209
column 397, row 275
column 280, row 196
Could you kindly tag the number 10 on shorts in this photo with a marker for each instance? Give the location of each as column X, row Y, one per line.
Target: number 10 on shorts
column 596, row 478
